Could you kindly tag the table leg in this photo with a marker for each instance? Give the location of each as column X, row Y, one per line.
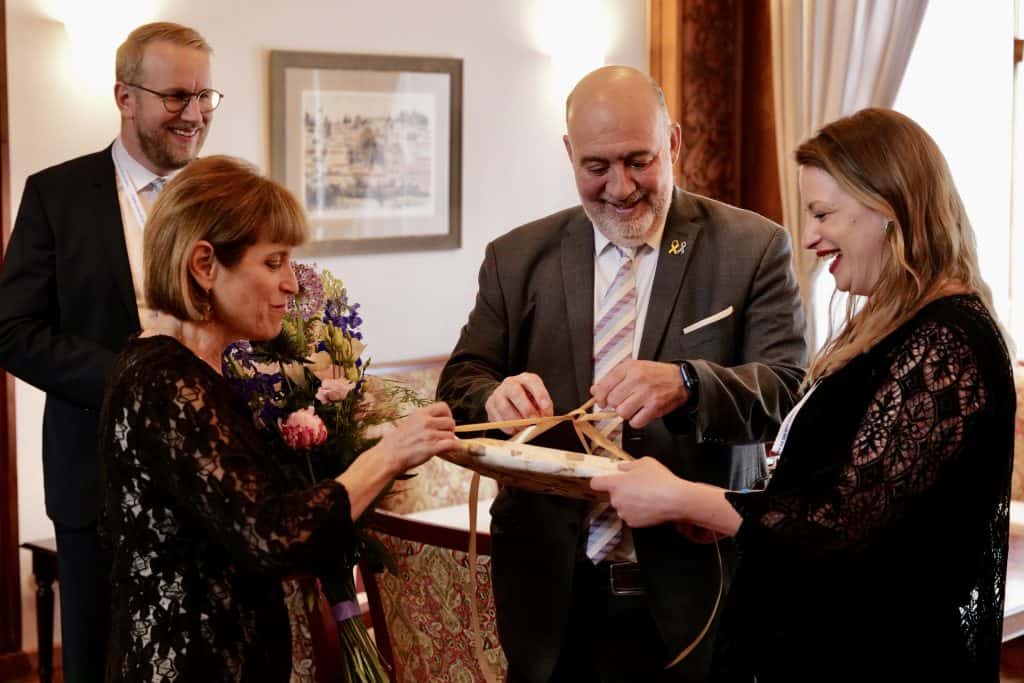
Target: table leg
column 45, row 571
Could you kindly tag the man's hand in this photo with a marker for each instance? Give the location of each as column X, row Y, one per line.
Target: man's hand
column 519, row 397
column 641, row 391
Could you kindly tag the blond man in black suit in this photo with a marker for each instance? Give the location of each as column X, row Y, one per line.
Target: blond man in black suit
column 71, row 295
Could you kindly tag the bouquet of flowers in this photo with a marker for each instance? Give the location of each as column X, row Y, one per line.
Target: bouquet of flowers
column 310, row 394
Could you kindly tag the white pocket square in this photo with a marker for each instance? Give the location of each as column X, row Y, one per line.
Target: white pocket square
column 721, row 315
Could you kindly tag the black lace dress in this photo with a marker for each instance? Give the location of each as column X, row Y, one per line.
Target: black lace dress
column 204, row 523
column 878, row 550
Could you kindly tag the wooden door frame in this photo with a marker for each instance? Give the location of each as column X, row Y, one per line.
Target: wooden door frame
column 12, row 660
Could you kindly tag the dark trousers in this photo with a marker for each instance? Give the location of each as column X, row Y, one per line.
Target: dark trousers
column 609, row 638
column 83, row 567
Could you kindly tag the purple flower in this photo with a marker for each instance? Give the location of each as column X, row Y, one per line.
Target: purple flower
column 310, row 298
column 241, row 353
column 333, row 312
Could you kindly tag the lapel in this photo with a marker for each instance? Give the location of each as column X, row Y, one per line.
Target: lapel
column 104, row 206
column 683, row 225
column 578, row 289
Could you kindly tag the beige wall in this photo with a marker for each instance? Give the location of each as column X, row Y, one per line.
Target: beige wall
column 513, row 162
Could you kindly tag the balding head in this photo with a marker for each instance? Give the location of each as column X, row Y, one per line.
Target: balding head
column 611, row 83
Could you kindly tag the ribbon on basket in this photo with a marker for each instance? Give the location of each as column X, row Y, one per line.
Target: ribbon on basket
column 582, row 422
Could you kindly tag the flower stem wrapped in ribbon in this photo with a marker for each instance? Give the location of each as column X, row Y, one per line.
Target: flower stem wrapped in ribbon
column 310, row 395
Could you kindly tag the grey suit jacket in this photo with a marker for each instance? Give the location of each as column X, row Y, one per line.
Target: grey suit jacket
column 534, row 313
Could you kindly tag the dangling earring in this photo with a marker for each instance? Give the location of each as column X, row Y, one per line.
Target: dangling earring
column 208, row 308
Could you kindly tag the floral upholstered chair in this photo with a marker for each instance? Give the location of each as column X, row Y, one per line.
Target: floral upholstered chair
column 421, row 616
column 315, row 649
column 436, row 484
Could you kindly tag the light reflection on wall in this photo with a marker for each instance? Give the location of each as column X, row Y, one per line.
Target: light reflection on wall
column 575, row 34
column 94, row 29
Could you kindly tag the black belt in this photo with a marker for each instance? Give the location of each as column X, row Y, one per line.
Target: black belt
column 621, row 579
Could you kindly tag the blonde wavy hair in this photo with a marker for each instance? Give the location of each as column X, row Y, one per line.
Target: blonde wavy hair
column 890, row 164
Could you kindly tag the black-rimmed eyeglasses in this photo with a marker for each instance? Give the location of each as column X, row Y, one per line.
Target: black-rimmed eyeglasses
column 175, row 102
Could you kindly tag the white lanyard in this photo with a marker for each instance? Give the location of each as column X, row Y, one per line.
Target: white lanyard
column 130, row 193
column 780, row 440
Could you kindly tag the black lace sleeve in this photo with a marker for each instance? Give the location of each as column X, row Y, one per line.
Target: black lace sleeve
column 917, row 422
column 203, row 450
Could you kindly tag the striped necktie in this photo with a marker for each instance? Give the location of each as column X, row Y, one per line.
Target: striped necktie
column 614, row 332
column 148, row 194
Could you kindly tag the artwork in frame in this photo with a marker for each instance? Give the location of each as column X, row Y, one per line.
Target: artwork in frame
column 371, row 145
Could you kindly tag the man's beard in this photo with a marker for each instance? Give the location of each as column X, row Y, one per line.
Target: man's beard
column 158, row 151
column 629, row 232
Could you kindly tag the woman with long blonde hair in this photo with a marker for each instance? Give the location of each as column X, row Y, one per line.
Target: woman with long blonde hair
column 877, row 551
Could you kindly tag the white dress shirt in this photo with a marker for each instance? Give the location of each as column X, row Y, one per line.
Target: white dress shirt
column 141, row 180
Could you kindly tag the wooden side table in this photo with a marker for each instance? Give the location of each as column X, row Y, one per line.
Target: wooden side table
column 44, row 570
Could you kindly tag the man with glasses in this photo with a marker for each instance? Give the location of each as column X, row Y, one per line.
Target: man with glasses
column 71, row 293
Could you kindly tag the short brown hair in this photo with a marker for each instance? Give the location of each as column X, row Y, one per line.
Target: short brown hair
column 128, row 65
column 228, row 203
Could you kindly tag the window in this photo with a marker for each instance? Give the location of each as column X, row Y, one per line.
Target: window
column 959, row 86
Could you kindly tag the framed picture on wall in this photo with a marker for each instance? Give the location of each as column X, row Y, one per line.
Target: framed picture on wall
column 372, row 147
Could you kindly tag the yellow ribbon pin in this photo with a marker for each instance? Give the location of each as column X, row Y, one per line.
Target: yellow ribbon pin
column 676, row 247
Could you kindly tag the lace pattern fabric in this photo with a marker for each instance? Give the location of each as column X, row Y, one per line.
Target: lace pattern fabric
column 891, row 498
column 204, row 522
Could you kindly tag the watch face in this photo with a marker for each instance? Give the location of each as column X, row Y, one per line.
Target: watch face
column 688, row 379
column 691, row 382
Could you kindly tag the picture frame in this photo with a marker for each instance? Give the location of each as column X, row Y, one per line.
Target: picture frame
column 371, row 145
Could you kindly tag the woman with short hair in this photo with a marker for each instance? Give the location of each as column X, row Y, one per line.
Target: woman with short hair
column 203, row 518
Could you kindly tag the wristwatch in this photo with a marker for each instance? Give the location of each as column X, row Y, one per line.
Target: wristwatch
column 691, row 382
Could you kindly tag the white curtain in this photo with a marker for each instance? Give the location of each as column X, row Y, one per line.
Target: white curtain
column 829, row 59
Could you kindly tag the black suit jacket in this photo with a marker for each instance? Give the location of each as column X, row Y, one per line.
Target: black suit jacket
column 67, row 306
column 534, row 313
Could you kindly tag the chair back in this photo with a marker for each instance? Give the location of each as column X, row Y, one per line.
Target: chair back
column 421, row 617
column 316, row 652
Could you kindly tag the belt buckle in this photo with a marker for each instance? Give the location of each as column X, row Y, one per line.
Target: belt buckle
column 624, row 579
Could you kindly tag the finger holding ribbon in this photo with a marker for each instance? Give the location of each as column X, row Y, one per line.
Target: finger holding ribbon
column 641, row 391
column 518, row 397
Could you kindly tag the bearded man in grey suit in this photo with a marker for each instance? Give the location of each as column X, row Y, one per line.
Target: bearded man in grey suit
column 714, row 355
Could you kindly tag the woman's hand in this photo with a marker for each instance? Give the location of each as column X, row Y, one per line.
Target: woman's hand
column 646, row 494
column 413, row 440
column 419, row 436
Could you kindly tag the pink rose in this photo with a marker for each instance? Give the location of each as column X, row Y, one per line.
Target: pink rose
column 303, row 429
column 332, row 390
